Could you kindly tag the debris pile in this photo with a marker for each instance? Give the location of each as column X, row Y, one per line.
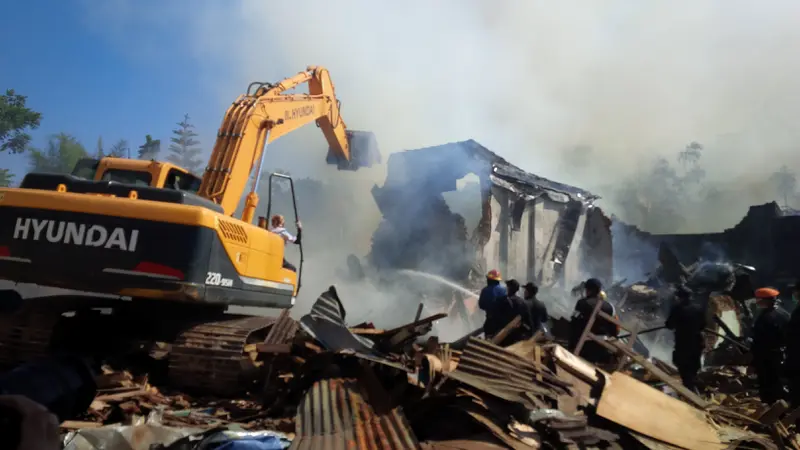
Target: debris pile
column 330, row 385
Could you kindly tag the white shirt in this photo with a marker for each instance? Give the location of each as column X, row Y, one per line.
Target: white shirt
column 281, row 231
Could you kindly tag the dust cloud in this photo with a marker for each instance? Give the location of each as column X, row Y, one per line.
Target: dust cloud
column 532, row 81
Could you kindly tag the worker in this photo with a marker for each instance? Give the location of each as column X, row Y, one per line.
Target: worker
column 278, row 226
column 793, row 349
column 537, row 308
column 769, row 338
column 592, row 351
column 688, row 320
column 515, row 307
column 493, row 301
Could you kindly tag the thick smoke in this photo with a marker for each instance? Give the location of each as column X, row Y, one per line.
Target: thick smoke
column 529, row 80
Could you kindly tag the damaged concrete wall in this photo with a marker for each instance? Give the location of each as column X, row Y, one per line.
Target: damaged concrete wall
column 532, row 229
column 766, row 238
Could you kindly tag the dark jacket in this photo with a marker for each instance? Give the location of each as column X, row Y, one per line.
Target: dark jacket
column 494, row 302
column 688, row 320
column 793, row 341
column 593, row 352
column 517, row 307
column 538, row 313
column 769, row 334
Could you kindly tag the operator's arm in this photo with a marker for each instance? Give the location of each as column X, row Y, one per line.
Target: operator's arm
column 299, row 233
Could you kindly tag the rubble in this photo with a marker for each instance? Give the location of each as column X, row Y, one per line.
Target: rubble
column 326, row 384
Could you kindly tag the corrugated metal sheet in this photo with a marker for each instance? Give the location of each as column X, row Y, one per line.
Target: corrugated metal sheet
column 335, row 414
column 283, row 330
column 494, row 370
column 326, row 323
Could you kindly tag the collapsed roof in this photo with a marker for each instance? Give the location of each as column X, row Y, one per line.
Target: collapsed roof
column 438, row 168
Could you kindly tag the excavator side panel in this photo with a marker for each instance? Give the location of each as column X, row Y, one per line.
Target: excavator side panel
column 138, row 248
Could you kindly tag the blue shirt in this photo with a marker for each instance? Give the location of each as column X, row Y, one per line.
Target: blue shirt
column 490, row 294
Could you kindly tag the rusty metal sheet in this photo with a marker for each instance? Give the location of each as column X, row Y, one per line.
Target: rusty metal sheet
column 335, row 414
column 496, row 371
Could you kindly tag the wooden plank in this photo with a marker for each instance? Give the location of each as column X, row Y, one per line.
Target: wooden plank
column 648, row 411
column 79, row 424
column 278, row 349
column 675, row 384
column 791, row 418
column 510, row 326
column 771, row 415
column 576, row 365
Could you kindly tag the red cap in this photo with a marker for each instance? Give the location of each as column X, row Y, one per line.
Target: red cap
column 494, row 274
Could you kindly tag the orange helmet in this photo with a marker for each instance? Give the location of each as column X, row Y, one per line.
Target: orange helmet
column 494, row 275
column 767, row 293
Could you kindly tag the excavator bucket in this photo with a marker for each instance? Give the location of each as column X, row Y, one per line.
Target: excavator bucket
column 363, row 151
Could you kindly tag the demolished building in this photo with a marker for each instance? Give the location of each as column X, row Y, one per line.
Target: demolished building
column 530, row 228
column 765, row 238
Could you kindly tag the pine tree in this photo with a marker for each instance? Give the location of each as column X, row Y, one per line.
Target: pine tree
column 120, row 149
column 150, row 149
column 100, row 153
column 184, row 150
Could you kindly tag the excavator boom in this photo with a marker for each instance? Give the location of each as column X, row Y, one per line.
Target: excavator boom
column 265, row 113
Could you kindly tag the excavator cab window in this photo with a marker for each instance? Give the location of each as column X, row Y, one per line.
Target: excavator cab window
column 128, row 177
column 181, row 181
column 85, row 168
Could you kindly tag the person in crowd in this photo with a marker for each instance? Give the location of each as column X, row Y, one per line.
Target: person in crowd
column 688, row 320
column 793, row 348
column 592, row 351
column 769, row 340
column 537, row 307
column 517, row 307
column 493, row 301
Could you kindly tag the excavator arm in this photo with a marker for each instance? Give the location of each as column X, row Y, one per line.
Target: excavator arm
column 266, row 113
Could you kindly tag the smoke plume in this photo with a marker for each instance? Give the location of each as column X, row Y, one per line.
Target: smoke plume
column 626, row 81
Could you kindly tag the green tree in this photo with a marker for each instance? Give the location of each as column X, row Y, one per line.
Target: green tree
column 657, row 200
column 15, row 120
column 150, row 149
column 120, row 150
column 6, row 177
column 100, row 153
column 60, row 156
column 785, row 182
column 184, row 151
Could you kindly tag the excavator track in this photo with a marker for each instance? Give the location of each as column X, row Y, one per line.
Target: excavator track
column 25, row 335
column 207, row 350
column 211, row 357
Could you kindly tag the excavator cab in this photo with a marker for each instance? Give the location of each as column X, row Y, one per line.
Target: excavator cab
column 364, row 151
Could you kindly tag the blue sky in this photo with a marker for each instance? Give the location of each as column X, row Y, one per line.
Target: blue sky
column 85, row 84
column 525, row 79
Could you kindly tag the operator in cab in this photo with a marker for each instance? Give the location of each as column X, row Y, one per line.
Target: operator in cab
column 592, row 351
column 688, row 320
column 278, row 226
column 769, row 339
column 492, row 301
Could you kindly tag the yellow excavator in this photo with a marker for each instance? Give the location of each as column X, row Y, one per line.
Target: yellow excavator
column 163, row 245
